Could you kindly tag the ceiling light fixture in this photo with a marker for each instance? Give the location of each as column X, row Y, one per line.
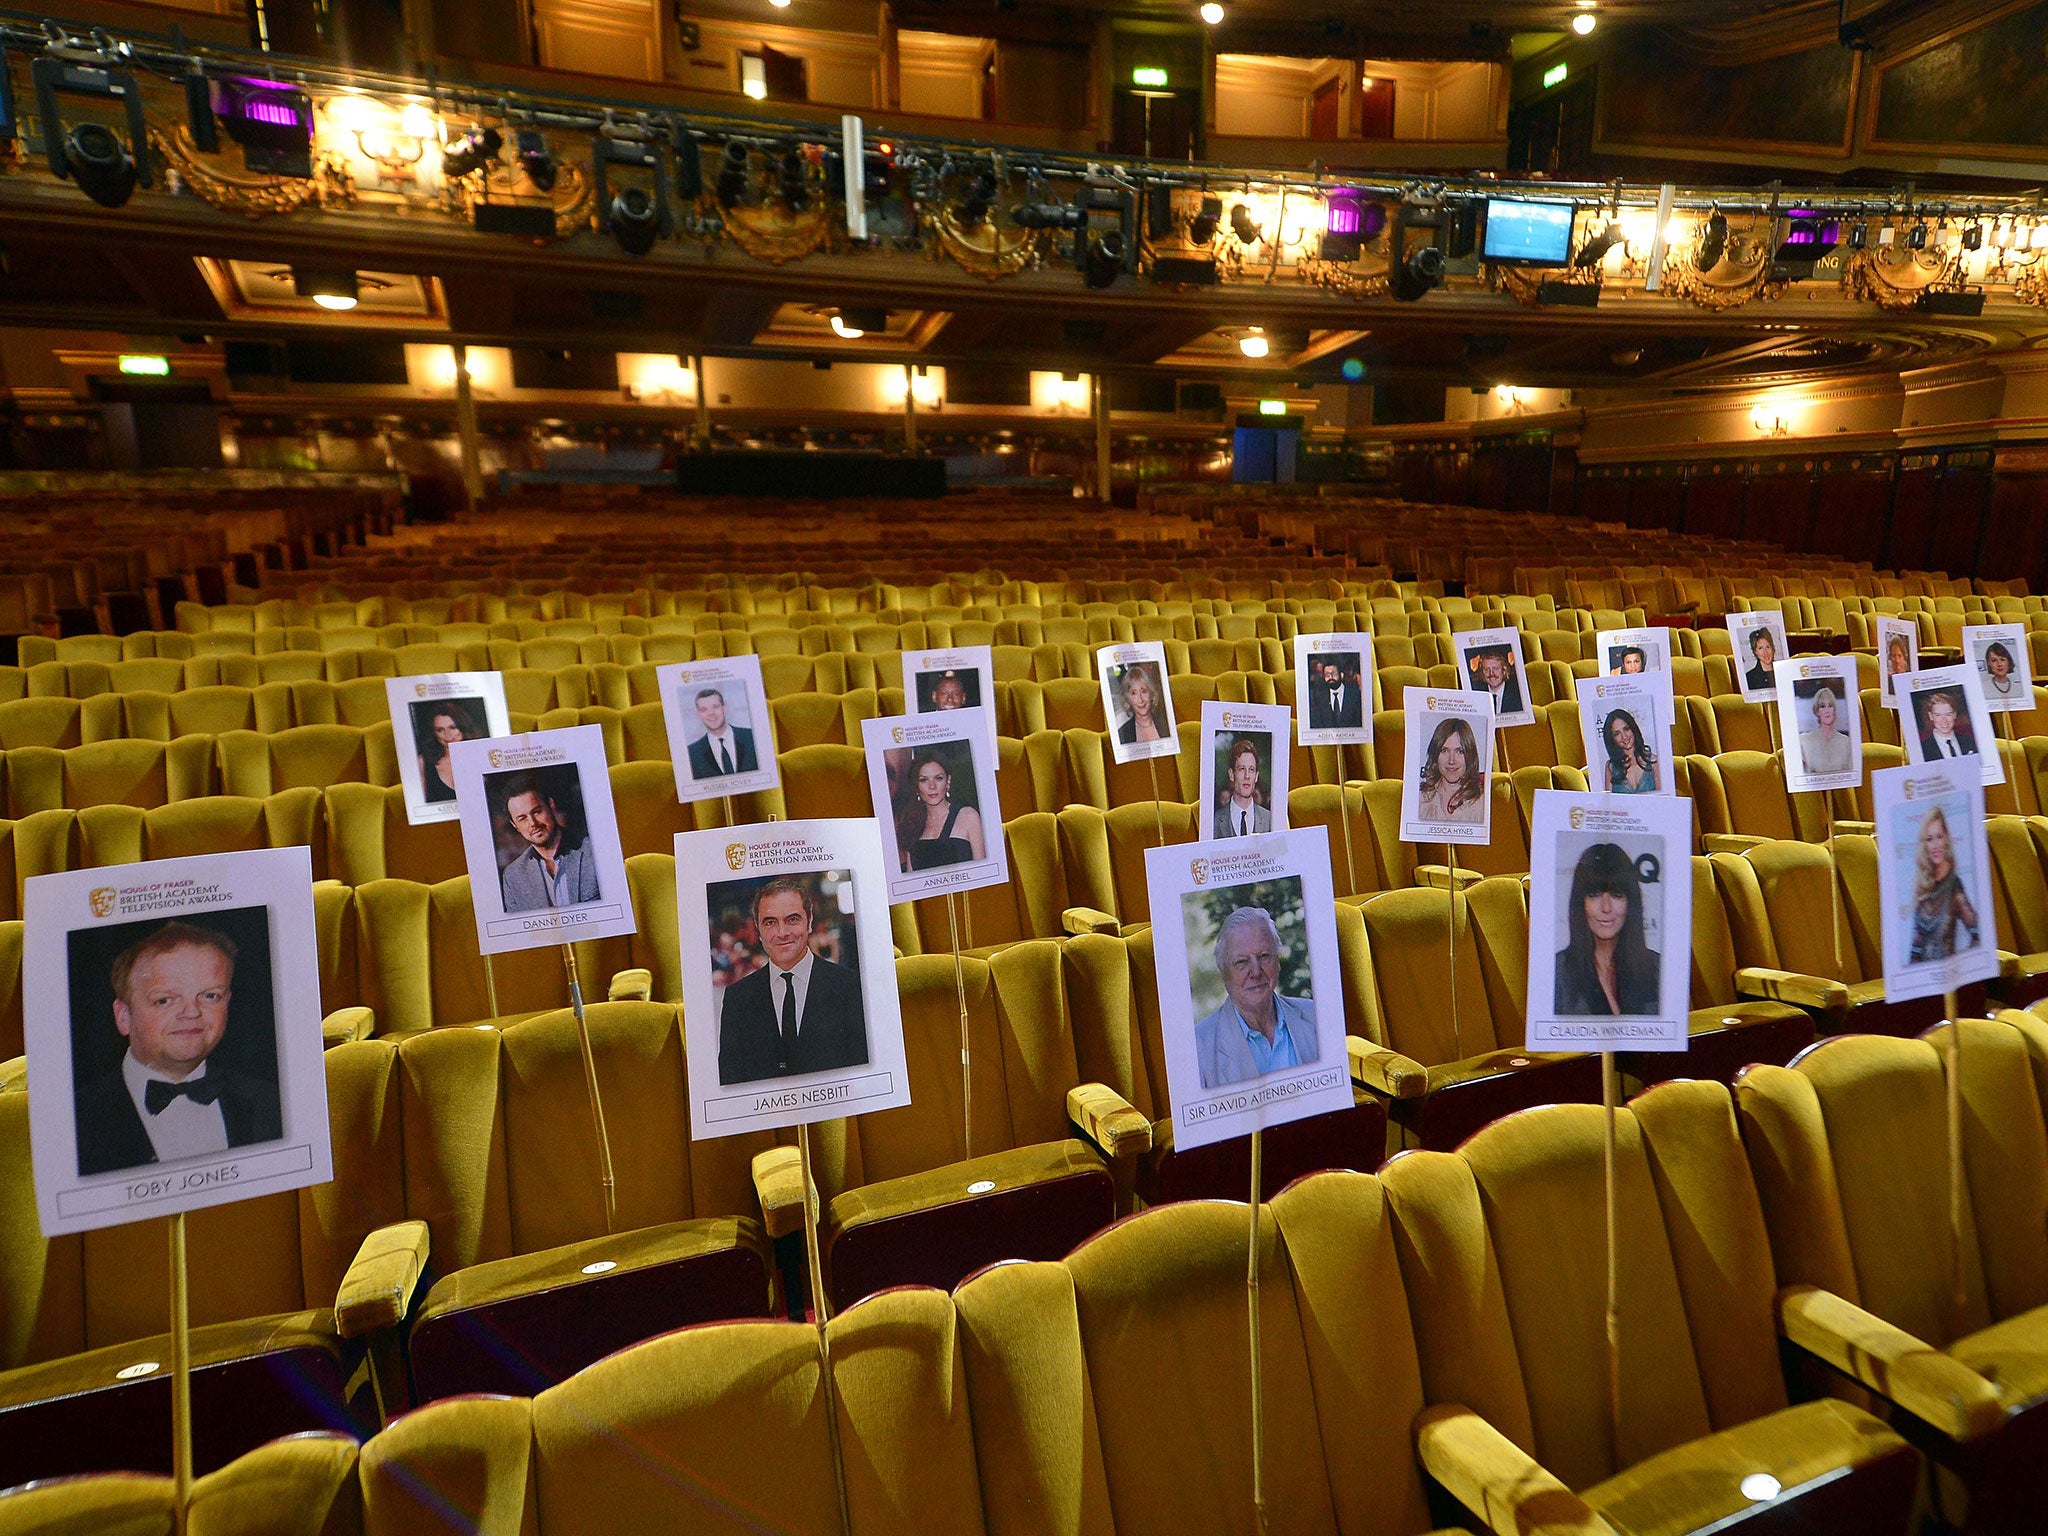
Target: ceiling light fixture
column 1584, row 22
column 844, row 331
column 330, row 288
column 1254, row 343
column 1212, row 13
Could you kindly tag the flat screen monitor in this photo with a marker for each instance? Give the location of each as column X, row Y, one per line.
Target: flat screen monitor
column 1533, row 234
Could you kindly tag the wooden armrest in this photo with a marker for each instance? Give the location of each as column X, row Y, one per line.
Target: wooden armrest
column 377, row 1291
column 1496, row 1479
column 1106, row 1118
column 346, row 1024
column 1890, row 1362
column 1790, row 987
column 1437, row 877
column 635, row 985
column 1385, row 1071
column 779, row 1183
column 1089, row 920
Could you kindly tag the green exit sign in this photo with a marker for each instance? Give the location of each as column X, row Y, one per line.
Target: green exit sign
column 1148, row 77
column 1272, row 407
column 1554, row 75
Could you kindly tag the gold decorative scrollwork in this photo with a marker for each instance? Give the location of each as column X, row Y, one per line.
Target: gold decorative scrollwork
column 253, row 197
column 571, row 198
column 1897, row 283
column 982, row 250
column 1342, row 277
column 1728, row 284
column 772, row 234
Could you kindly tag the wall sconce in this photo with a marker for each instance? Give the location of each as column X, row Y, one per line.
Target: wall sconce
column 1770, row 422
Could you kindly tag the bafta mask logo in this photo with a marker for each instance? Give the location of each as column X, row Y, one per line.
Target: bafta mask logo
column 735, row 856
column 1911, row 789
column 1578, row 817
column 896, row 734
column 497, row 757
column 419, row 690
column 1599, row 690
column 1198, row 871
column 102, row 899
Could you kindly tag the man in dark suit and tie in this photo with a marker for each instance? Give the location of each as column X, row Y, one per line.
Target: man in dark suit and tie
column 1492, row 674
column 797, row 1014
column 1335, row 702
column 725, row 748
column 167, row 1102
column 1944, row 727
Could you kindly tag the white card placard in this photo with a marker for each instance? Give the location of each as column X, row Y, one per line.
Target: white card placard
column 1933, row 879
column 1446, row 783
column 172, row 1013
column 1820, row 721
column 1333, row 689
column 933, row 782
column 1625, row 728
column 428, row 716
column 1136, row 701
column 807, row 901
column 2004, row 675
column 935, row 682
column 721, row 737
column 1898, row 653
column 1627, row 652
column 1759, row 644
column 1490, row 663
column 1610, row 922
column 1245, row 762
column 1942, row 718
column 541, row 840
column 1251, row 1002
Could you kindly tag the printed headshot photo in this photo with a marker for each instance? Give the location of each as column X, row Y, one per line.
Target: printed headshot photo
column 1939, row 921
column 541, row 838
column 1756, row 654
column 1243, row 802
column 1609, row 925
column 174, row 1046
column 935, row 805
column 1452, row 784
column 1899, row 653
column 1630, row 764
column 785, row 970
column 1142, row 708
column 1822, row 715
column 718, row 725
column 948, row 690
column 1249, row 980
column 1941, row 717
column 437, row 724
column 1336, row 691
column 2002, row 671
column 1490, row 669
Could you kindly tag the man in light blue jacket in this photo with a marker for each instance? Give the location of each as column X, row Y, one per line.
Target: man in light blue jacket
column 1256, row 1031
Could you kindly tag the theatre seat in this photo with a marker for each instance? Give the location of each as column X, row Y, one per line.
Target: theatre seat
column 1502, row 1247
column 1850, row 1151
column 501, row 1162
column 2017, row 845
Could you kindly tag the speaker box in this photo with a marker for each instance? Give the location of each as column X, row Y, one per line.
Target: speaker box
column 1583, row 295
column 529, row 221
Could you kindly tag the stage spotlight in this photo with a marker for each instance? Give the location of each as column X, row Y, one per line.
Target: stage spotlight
column 470, row 153
column 1104, row 258
column 1244, row 226
column 100, row 164
column 1918, row 238
column 1202, row 226
column 1973, row 237
column 1049, row 216
column 981, row 194
column 1420, row 271
column 635, row 221
column 1597, row 246
column 199, row 118
column 732, row 174
column 793, row 180
column 1859, row 237
column 1713, row 241
column 530, row 147
column 330, row 288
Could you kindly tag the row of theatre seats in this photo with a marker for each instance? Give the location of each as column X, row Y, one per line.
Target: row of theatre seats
column 1793, row 1353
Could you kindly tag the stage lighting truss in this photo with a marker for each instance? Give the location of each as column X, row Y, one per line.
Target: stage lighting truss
column 89, row 152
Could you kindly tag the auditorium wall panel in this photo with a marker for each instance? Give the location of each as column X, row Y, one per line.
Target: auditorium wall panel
column 1780, row 507
column 1714, row 500
column 1958, row 530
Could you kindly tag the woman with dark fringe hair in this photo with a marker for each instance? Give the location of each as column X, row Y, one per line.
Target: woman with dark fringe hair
column 1607, row 967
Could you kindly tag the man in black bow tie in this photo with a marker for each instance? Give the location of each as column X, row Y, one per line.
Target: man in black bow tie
column 166, row 1102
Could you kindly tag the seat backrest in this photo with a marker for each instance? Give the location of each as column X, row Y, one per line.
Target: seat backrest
column 1502, row 1245
column 1754, row 783
column 1409, row 934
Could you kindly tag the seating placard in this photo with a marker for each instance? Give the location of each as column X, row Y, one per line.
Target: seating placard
column 1446, row 783
column 1758, row 640
column 1490, row 663
column 1898, row 652
column 541, row 840
column 721, row 737
column 2004, row 675
column 933, row 780
column 1943, row 718
column 1938, row 926
column 172, row 1015
column 1610, row 922
column 1251, row 1000
column 1820, row 723
column 429, row 715
column 1136, row 702
column 789, row 982
column 1625, row 652
column 1625, row 728
column 962, row 678
column 1244, row 769
column 1333, row 689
